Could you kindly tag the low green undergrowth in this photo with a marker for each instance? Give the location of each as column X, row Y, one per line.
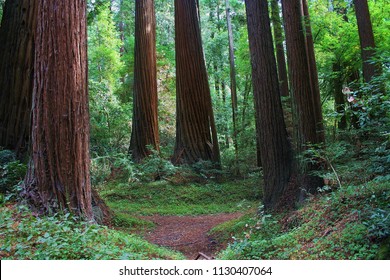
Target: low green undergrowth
column 350, row 223
column 64, row 237
column 165, row 198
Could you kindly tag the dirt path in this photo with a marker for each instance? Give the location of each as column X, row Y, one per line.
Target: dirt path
column 187, row 234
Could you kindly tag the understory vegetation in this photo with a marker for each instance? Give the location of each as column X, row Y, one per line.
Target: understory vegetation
column 348, row 218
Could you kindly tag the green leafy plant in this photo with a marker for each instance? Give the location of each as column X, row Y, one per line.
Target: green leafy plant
column 66, row 237
column 12, row 171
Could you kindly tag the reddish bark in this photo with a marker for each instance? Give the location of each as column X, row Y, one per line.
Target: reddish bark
column 145, row 119
column 196, row 137
column 58, row 175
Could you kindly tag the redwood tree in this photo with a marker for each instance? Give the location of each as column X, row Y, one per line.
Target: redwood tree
column 306, row 99
column 279, row 39
column 233, row 82
column 145, row 119
column 276, row 153
column 313, row 73
column 367, row 42
column 16, row 73
column 58, row 175
column 300, row 76
column 196, row 137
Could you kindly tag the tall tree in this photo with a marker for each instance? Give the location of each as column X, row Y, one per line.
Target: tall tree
column 313, row 73
column 145, row 120
column 367, row 42
column 300, row 77
column 233, row 82
column 58, row 175
column 276, row 153
column 16, row 73
column 196, row 136
column 279, row 39
column 307, row 110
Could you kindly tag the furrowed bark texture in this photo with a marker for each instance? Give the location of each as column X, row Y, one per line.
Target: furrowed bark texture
column 59, row 170
column 313, row 74
column 16, row 73
column 196, row 137
column 300, row 83
column 276, row 153
column 145, row 119
column 307, row 115
column 367, row 42
column 280, row 56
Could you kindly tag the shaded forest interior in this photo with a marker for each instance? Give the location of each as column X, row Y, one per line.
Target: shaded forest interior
column 254, row 129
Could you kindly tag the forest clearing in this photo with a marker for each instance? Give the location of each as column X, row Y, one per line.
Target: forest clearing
column 194, row 129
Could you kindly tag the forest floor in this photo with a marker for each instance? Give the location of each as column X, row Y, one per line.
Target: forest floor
column 188, row 234
column 180, row 216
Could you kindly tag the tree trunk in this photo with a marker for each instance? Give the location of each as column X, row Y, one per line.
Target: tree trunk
column 313, row 73
column 305, row 100
column 367, row 42
column 233, row 83
column 301, row 86
column 58, row 175
column 16, row 73
column 196, row 137
column 145, row 100
column 278, row 38
column 276, row 153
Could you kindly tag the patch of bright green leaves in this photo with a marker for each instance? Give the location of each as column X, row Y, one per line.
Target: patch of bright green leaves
column 350, row 223
column 165, row 198
column 62, row 237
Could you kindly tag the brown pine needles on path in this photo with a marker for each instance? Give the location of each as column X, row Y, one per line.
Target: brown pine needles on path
column 188, row 234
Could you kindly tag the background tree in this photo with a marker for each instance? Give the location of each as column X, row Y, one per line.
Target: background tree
column 58, row 176
column 276, row 153
column 16, row 73
column 233, row 82
column 305, row 100
column 196, row 136
column 313, row 73
column 279, row 40
column 145, row 121
column 367, row 42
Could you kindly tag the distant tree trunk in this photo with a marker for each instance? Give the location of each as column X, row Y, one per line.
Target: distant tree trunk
column 367, row 42
column 196, row 137
column 245, row 102
column 145, row 101
column 233, row 83
column 58, row 175
column 313, row 74
column 306, row 109
column 276, row 153
column 212, row 36
column 121, row 26
column 219, row 69
column 16, row 73
column 278, row 38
